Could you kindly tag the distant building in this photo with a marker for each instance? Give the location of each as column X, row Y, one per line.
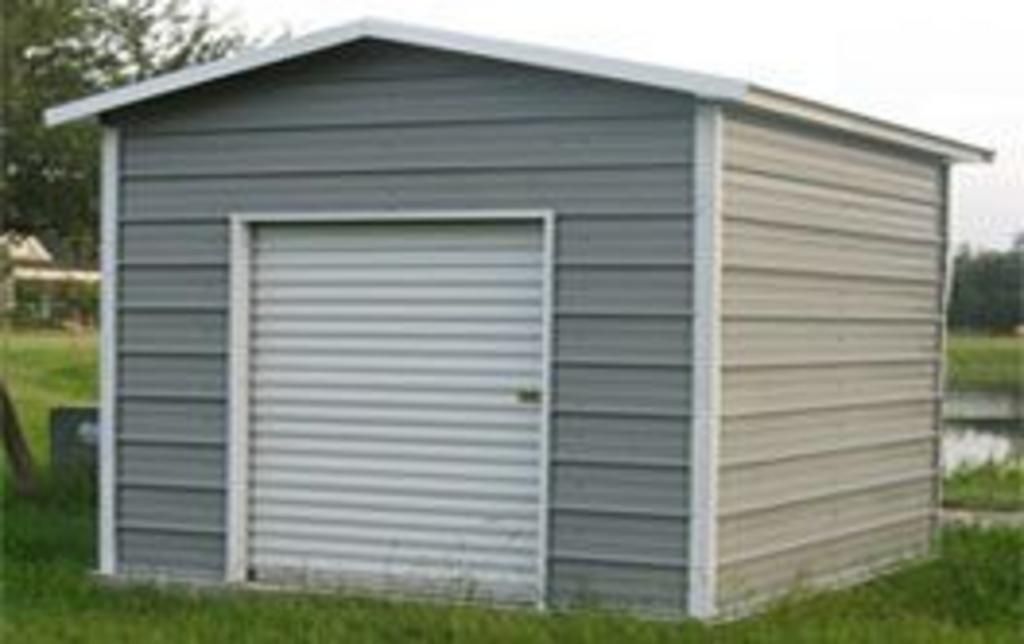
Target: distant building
column 35, row 288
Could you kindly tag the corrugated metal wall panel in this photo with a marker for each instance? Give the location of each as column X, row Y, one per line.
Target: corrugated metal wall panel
column 624, row 240
column 622, row 389
column 650, row 340
column 174, row 243
column 202, row 333
column 618, row 176
column 170, row 420
column 448, row 147
column 627, row 190
column 758, row 338
column 581, row 583
column 185, row 287
column 197, row 465
column 819, row 295
column 752, row 389
column 489, row 98
column 629, row 291
column 799, row 154
column 744, row 534
column 748, row 486
column 829, row 556
column 170, row 554
column 201, row 510
column 758, row 197
column 352, row 86
column 772, row 247
column 172, row 374
column 597, row 436
column 831, row 279
column 643, row 487
column 763, row 437
column 618, row 538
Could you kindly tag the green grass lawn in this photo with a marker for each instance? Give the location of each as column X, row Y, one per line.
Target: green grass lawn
column 992, row 486
column 982, row 362
column 46, row 369
column 972, row 592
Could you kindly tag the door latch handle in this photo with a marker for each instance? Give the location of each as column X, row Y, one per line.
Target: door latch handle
column 528, row 395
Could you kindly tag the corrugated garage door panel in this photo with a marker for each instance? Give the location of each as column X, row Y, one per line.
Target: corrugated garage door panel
column 389, row 446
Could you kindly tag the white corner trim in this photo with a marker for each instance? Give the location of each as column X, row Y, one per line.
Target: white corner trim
column 548, row 57
column 945, row 268
column 109, row 204
column 237, row 545
column 706, row 415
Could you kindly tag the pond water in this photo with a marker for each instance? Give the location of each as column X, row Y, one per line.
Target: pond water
column 982, row 426
column 964, row 445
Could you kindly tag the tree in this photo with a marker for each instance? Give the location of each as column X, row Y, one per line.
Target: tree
column 988, row 290
column 57, row 50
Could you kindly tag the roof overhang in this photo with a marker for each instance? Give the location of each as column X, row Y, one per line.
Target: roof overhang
column 705, row 86
column 802, row 109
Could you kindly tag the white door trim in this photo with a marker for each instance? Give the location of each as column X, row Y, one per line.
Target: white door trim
column 238, row 404
column 704, row 428
column 236, row 570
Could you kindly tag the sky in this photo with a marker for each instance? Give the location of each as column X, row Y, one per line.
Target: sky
column 950, row 67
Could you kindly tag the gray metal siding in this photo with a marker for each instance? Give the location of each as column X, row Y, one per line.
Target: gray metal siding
column 376, row 126
column 831, row 282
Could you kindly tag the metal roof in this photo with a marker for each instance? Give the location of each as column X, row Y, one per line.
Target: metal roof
column 705, row 86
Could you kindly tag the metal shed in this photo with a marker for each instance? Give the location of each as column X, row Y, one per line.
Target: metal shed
column 395, row 308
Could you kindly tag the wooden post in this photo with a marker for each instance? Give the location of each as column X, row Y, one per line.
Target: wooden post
column 22, row 467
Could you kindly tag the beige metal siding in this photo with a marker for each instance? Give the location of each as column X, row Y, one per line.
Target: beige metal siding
column 831, row 283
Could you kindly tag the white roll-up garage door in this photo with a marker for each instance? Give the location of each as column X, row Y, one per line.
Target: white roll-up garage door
column 394, row 413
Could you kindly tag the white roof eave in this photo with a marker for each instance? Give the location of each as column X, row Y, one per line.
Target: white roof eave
column 813, row 112
column 705, row 86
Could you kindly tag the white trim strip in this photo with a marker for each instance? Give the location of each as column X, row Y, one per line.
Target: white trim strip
column 547, row 394
column 946, row 281
column 388, row 216
column 706, row 360
column 109, row 193
column 238, row 395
